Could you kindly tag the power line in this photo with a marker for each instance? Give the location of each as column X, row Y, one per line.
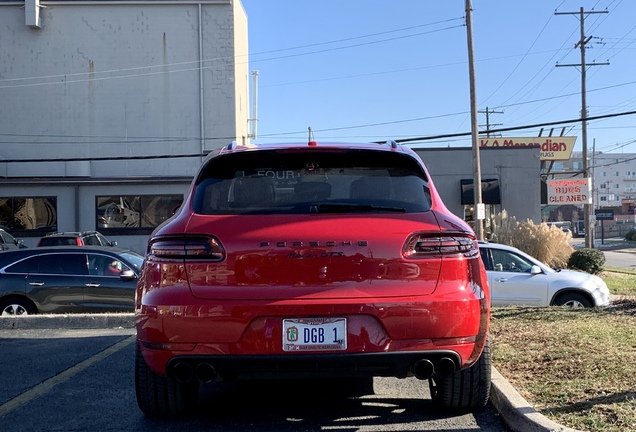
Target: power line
column 508, row 129
column 110, row 158
column 403, row 140
column 196, row 65
column 360, row 37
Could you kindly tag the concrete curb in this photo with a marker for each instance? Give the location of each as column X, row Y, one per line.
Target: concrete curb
column 68, row 321
column 515, row 411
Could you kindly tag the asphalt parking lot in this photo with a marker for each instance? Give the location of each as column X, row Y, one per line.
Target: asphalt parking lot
column 83, row 380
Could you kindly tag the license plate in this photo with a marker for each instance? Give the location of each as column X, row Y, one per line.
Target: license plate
column 314, row 334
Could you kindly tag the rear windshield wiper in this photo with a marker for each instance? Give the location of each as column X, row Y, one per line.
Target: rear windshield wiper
column 352, row 208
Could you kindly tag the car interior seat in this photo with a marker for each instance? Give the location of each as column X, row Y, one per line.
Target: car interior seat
column 311, row 191
column 372, row 187
column 254, row 192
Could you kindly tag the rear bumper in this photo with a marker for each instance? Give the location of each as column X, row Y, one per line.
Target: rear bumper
column 422, row 364
column 245, row 338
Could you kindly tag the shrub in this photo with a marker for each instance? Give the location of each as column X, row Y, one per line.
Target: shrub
column 548, row 244
column 587, row 260
column 631, row 235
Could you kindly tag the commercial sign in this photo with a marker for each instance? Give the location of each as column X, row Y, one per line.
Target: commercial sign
column 572, row 191
column 604, row 214
column 552, row 148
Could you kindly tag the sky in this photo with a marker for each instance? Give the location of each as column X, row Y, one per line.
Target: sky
column 372, row 70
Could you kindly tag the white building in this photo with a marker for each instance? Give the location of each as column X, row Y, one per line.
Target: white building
column 614, row 178
column 107, row 108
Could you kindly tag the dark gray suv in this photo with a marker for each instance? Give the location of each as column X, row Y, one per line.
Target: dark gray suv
column 70, row 279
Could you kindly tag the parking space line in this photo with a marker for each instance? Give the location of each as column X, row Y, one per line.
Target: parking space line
column 47, row 385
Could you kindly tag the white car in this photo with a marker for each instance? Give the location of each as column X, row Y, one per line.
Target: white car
column 516, row 278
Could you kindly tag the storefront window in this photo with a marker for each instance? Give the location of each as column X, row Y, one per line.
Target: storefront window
column 29, row 213
column 491, row 197
column 134, row 211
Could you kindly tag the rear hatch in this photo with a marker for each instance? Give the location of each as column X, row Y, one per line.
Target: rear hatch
column 319, row 256
column 315, row 221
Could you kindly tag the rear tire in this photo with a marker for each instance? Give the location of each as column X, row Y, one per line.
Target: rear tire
column 16, row 307
column 466, row 390
column 160, row 396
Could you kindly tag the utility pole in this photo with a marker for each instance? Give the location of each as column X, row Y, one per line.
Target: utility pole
column 478, row 212
column 488, row 125
column 589, row 234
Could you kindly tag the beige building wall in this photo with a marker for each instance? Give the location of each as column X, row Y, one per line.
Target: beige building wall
column 101, row 79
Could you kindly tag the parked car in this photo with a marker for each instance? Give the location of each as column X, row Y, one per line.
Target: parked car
column 312, row 260
column 68, row 280
column 517, row 278
column 84, row 238
column 578, row 228
column 7, row 241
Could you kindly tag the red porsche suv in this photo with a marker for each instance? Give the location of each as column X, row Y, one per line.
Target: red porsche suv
column 312, row 260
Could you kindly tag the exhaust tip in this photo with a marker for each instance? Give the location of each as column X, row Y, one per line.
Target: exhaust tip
column 205, row 372
column 423, row 369
column 183, row 372
column 445, row 367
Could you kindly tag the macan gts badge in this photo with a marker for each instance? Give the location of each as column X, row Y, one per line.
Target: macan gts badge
column 312, row 260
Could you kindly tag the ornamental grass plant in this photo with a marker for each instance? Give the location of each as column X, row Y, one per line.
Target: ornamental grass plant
column 548, row 244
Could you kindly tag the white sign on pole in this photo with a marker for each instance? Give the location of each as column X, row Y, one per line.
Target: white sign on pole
column 481, row 211
column 570, row 191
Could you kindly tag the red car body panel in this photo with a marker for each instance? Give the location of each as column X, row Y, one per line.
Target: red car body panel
column 313, row 258
column 276, row 267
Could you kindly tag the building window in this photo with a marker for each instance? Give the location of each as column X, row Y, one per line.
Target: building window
column 557, row 166
column 490, row 192
column 134, row 212
column 29, row 213
column 577, row 165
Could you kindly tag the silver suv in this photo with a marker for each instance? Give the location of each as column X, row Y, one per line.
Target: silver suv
column 7, row 241
column 85, row 238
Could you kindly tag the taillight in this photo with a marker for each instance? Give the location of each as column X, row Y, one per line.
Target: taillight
column 182, row 247
column 424, row 245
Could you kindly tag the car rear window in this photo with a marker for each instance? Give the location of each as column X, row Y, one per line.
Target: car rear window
column 91, row 240
column 300, row 182
column 58, row 241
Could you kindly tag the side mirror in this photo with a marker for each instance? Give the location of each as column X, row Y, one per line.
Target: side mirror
column 113, row 243
column 535, row 269
column 128, row 275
